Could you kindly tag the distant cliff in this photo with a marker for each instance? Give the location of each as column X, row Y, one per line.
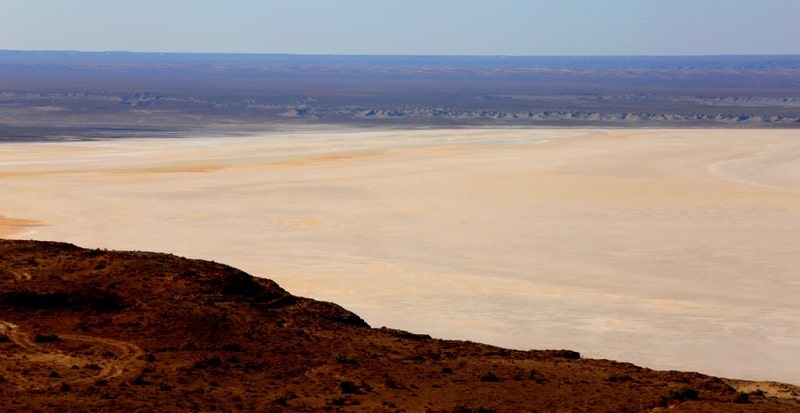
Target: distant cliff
column 52, row 94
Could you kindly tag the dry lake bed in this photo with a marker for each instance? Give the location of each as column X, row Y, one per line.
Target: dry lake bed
column 671, row 249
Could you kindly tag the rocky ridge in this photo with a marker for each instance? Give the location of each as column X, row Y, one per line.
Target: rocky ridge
column 96, row 330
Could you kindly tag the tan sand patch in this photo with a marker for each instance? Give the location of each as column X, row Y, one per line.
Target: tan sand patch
column 302, row 223
column 13, row 226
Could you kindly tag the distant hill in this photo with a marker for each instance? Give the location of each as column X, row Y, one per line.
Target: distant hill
column 56, row 94
column 97, row 330
column 718, row 62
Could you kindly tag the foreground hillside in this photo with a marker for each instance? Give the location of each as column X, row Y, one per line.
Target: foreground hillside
column 95, row 330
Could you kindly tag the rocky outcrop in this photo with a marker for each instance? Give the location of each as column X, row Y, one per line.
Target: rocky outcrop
column 97, row 330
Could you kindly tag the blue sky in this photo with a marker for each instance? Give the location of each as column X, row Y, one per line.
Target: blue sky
column 448, row 27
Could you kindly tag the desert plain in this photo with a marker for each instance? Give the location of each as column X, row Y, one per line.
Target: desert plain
column 667, row 248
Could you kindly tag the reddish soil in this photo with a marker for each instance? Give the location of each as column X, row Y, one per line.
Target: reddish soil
column 95, row 330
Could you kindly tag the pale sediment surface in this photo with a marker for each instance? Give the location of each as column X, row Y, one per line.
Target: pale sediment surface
column 672, row 249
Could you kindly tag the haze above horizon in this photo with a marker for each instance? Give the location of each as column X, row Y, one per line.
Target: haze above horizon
column 414, row 27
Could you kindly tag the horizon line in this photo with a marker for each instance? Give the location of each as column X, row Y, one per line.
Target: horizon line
column 392, row 54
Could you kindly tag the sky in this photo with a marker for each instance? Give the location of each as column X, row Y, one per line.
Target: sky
column 407, row 27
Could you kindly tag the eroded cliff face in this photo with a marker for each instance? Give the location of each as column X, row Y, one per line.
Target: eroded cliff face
column 53, row 95
column 59, row 116
column 96, row 330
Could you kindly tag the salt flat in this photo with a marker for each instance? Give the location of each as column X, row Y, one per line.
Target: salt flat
column 672, row 249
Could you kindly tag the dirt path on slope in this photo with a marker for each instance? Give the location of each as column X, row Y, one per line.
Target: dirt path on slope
column 33, row 361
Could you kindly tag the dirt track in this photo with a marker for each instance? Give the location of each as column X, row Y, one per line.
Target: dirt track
column 73, row 358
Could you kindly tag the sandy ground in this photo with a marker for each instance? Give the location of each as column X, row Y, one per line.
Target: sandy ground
column 672, row 249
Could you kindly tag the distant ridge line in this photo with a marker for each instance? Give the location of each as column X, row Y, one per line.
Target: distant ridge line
column 742, row 62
